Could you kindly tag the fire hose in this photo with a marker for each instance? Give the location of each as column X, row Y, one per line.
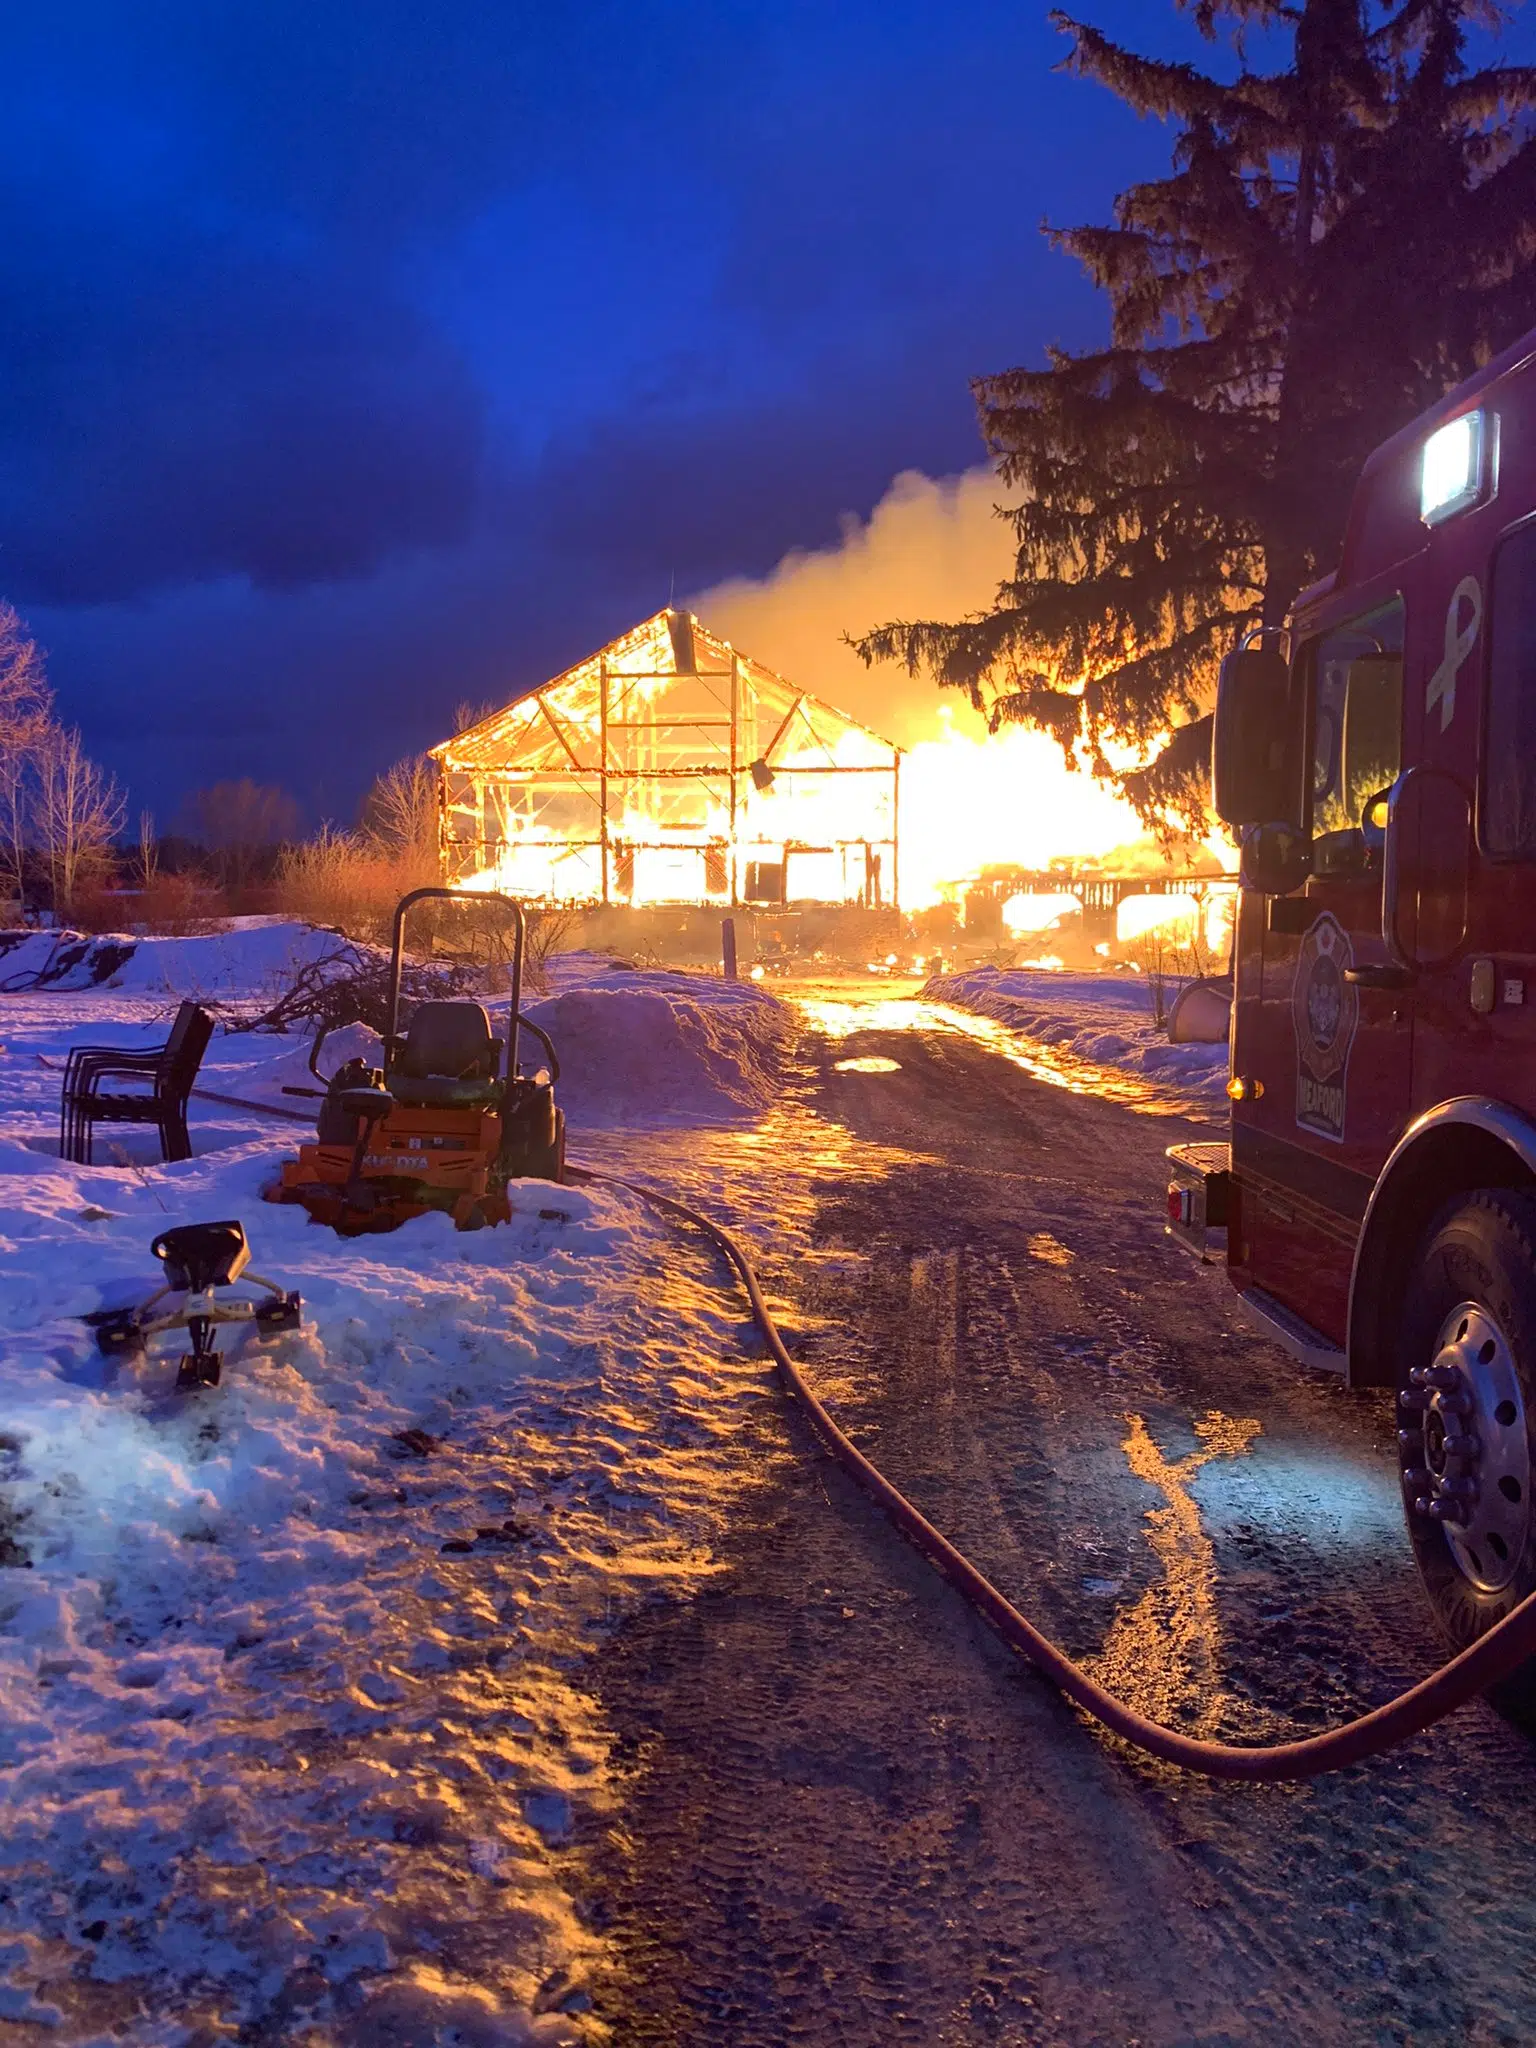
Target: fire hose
column 1492, row 1657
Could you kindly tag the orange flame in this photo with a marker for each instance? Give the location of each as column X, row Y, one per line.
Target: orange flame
column 1008, row 800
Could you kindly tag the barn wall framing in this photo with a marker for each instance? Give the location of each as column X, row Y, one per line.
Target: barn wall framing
column 670, row 767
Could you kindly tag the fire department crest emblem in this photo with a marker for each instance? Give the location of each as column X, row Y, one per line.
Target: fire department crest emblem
column 1325, row 1009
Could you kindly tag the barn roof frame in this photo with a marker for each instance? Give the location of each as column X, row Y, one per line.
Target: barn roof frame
column 667, row 738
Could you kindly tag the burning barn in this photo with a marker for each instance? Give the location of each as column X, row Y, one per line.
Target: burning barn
column 672, row 769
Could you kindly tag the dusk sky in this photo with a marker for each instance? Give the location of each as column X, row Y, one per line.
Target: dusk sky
column 359, row 359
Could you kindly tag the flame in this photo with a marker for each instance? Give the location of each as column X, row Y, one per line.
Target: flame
column 935, row 548
column 1004, row 800
column 966, row 803
column 1142, row 914
column 791, row 829
column 1026, row 914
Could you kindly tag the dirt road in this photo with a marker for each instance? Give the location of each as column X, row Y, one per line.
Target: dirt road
column 852, row 1818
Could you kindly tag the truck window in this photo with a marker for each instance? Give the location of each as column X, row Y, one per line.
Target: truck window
column 1357, row 728
column 1507, row 826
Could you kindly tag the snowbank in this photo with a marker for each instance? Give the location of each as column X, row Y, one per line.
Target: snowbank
column 635, row 1045
column 253, row 957
column 641, row 1045
column 289, row 1671
column 1102, row 1018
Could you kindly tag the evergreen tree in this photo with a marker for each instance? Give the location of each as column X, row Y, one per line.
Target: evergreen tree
column 1339, row 242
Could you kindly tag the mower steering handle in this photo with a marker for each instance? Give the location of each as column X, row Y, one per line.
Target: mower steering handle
column 397, row 958
column 543, row 1037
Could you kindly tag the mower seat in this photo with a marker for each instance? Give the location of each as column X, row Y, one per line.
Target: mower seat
column 449, row 1058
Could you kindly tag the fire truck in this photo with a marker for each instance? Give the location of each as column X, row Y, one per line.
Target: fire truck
column 1376, row 762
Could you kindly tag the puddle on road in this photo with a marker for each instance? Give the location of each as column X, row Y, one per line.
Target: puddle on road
column 842, row 1017
column 1049, row 1250
column 872, row 1064
column 1162, row 1655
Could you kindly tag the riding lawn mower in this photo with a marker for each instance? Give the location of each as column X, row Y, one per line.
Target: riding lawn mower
column 447, row 1121
column 445, row 1124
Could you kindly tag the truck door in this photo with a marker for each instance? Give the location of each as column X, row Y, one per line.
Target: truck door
column 1475, row 965
column 1323, row 1057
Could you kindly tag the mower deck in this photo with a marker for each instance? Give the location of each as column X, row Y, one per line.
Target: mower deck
column 417, row 1160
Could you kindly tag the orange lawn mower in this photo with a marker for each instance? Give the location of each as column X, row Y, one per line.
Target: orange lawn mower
column 445, row 1124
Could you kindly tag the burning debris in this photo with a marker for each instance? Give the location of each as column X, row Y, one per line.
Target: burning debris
column 671, row 774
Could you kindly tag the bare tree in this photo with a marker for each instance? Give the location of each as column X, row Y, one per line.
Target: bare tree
column 79, row 813
column 17, row 772
column 26, row 720
column 149, row 850
column 400, row 811
column 26, row 702
column 242, row 824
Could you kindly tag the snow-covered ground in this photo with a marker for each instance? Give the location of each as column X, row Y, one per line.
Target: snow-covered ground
column 292, row 1734
column 251, row 956
column 1105, row 1019
column 293, row 1738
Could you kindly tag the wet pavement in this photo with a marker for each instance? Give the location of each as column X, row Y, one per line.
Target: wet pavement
column 848, row 1814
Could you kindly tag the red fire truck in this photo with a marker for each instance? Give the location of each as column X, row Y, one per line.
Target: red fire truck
column 1377, row 762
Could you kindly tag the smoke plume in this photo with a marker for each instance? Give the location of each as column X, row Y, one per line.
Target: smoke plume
column 930, row 549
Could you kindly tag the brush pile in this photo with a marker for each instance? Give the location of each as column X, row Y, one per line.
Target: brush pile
column 350, row 985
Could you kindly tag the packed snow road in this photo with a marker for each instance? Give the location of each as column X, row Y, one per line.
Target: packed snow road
column 848, row 1816
column 496, row 1661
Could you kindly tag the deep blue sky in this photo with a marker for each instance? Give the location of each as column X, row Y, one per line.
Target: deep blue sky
column 361, row 356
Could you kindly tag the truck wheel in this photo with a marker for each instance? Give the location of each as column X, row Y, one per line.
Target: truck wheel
column 1466, row 1404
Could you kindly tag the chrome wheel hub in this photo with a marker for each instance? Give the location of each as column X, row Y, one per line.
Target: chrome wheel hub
column 1466, row 1458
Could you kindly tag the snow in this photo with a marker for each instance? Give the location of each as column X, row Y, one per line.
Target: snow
column 293, row 1734
column 1104, row 1019
column 253, row 956
column 292, row 1727
column 641, row 1045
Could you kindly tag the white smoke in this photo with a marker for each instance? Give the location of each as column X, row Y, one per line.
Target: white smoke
column 931, row 549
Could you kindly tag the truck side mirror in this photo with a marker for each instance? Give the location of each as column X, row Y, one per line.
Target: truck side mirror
column 1276, row 859
column 1253, row 774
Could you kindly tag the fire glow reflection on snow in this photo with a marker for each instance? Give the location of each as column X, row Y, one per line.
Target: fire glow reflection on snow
column 838, row 1018
column 1163, row 1652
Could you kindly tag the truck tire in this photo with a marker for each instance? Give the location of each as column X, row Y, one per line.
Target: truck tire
column 1466, row 1409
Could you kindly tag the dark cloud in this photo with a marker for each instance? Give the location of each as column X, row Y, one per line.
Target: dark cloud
column 703, row 495
column 234, row 416
column 190, row 387
column 361, row 356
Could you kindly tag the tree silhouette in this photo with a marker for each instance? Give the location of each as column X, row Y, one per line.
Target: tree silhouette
column 1339, row 242
column 242, row 824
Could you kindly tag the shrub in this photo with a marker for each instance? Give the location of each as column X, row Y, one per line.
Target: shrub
column 351, row 881
column 346, row 880
column 179, row 907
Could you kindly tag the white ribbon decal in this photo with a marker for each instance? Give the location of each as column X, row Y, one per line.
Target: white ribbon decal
column 1459, row 643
